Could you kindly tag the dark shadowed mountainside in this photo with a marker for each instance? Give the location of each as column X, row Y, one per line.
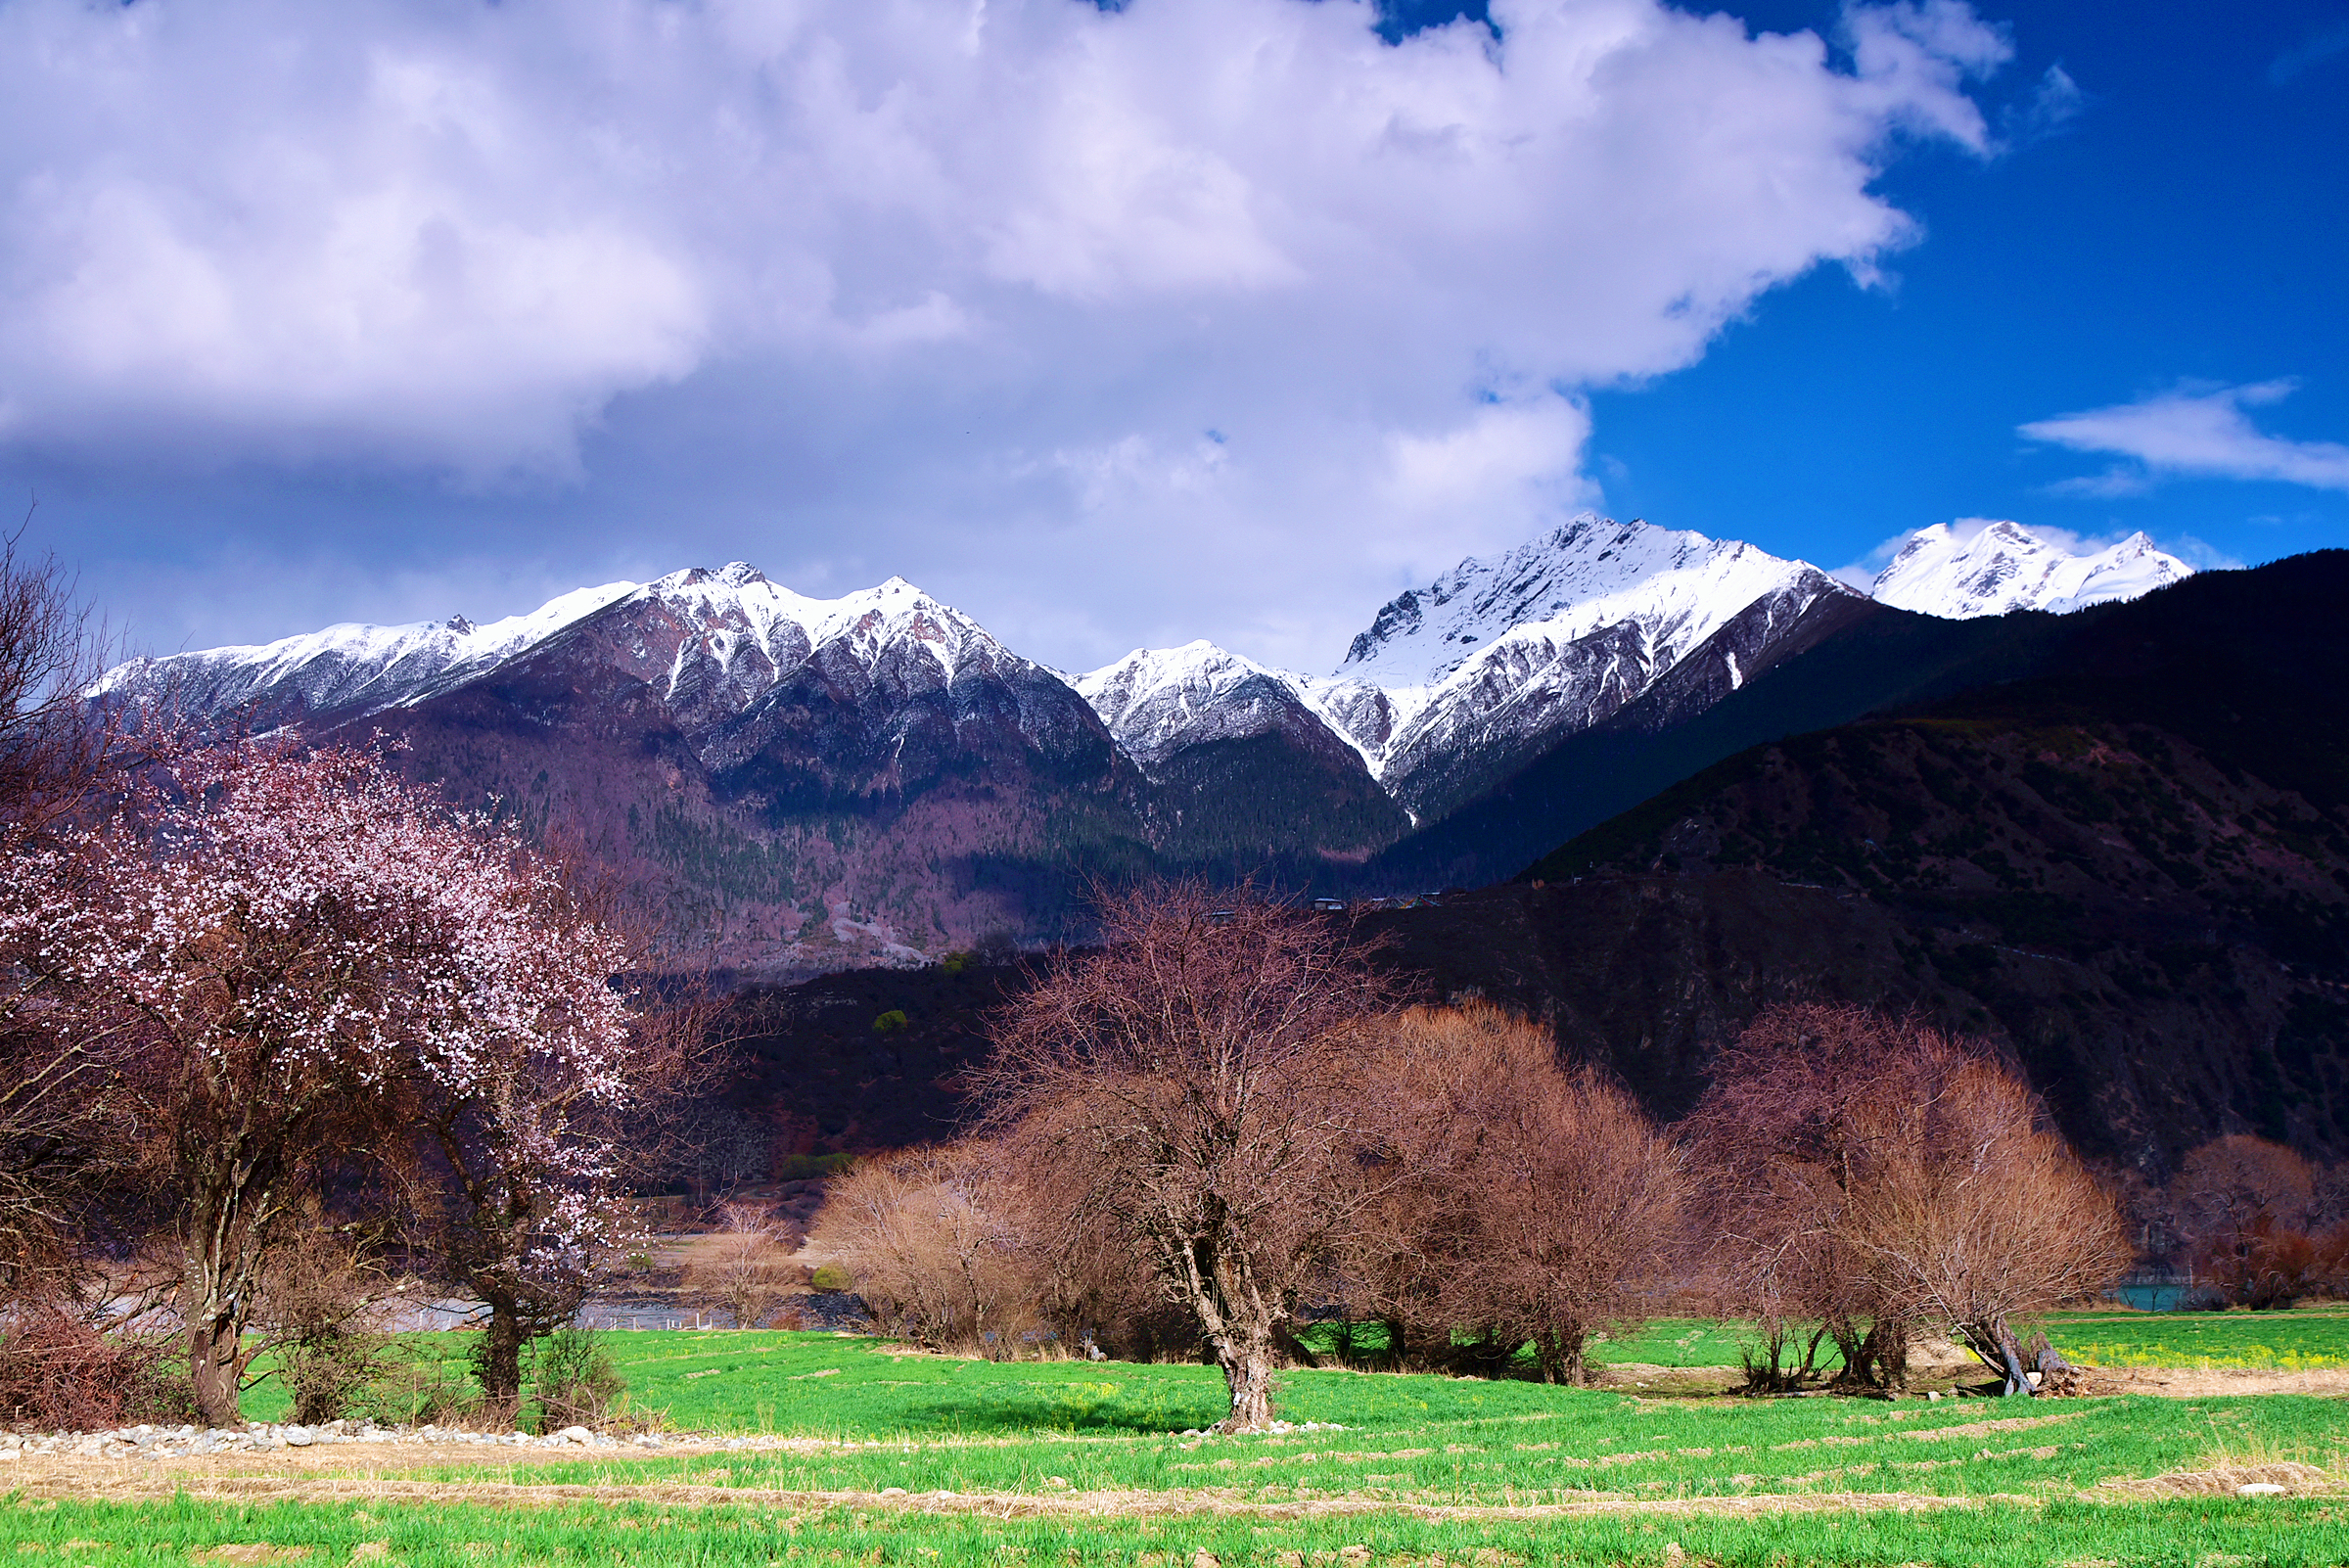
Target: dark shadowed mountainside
column 1845, row 658
column 2132, row 875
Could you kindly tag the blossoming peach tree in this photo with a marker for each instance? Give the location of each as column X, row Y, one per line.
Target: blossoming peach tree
column 316, row 967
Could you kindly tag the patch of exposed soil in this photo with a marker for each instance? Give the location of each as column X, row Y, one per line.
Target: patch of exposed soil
column 2189, row 1383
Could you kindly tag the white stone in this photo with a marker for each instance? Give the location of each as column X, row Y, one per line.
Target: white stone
column 2259, row 1489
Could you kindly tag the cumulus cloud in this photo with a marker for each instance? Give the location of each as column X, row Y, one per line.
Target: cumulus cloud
column 2194, row 430
column 996, row 263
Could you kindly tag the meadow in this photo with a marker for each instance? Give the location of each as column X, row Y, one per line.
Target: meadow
column 864, row 1453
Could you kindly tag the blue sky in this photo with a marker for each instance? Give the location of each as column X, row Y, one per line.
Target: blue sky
column 1214, row 319
column 2186, row 226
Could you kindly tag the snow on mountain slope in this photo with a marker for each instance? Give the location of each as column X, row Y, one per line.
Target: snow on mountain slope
column 1944, row 571
column 1496, row 656
column 350, row 664
column 711, row 643
column 1160, row 701
column 1591, row 574
column 1456, row 682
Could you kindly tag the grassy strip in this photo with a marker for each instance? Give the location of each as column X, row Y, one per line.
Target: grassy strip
column 1586, row 1445
column 726, row 1380
column 2304, row 1340
column 2286, row 1533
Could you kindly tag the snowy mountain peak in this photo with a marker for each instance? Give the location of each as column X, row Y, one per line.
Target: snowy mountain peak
column 712, row 641
column 1963, row 569
column 1587, row 575
column 1159, row 700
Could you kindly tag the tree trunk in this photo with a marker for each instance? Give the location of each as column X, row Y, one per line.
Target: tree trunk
column 1890, row 1351
column 1560, row 1354
column 1248, row 1372
column 500, row 1363
column 1398, row 1342
column 1992, row 1342
column 215, row 1368
column 219, row 1264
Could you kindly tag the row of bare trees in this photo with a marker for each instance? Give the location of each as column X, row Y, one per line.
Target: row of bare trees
column 278, row 1027
column 2249, row 1222
column 1224, row 1119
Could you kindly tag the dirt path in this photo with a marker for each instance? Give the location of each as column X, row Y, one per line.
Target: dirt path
column 387, row 1472
column 2185, row 1383
column 360, row 1477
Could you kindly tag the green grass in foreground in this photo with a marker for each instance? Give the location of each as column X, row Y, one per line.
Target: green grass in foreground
column 1584, row 1446
column 462, row 1534
column 929, row 1423
column 2008, row 1475
column 727, row 1380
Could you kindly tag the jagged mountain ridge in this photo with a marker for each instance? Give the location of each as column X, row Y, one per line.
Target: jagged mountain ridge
column 795, row 784
column 1457, row 684
column 814, row 781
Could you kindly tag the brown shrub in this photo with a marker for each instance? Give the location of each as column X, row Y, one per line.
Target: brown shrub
column 323, row 1303
column 58, row 1371
column 1538, row 1202
column 927, row 1237
column 2252, row 1213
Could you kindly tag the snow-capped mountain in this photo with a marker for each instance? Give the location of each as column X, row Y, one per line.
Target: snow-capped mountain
column 711, row 643
column 350, row 666
column 1497, row 657
column 1161, row 700
column 1944, row 571
column 803, row 782
column 1242, row 764
column 813, row 782
column 1454, row 682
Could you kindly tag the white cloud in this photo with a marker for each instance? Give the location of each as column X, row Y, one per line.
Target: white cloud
column 2054, row 104
column 946, row 248
column 2194, row 430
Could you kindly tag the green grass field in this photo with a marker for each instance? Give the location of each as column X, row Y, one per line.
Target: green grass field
column 2306, row 1340
column 2192, row 1533
column 730, row 1381
column 1083, row 1463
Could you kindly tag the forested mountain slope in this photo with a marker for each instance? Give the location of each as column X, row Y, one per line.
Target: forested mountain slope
column 2133, row 873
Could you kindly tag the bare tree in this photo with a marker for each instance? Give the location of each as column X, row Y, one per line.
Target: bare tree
column 1779, row 1140
column 1539, row 1201
column 1972, row 1212
column 1867, row 1175
column 61, row 1132
column 930, row 1239
column 746, row 1267
column 2254, row 1220
column 1194, row 1085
